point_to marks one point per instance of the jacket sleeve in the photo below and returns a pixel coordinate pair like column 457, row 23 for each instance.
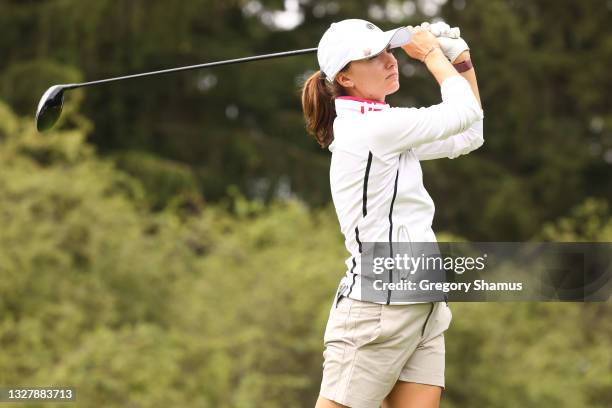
column 395, row 130
column 454, row 146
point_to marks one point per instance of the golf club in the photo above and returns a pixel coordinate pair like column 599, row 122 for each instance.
column 52, row 101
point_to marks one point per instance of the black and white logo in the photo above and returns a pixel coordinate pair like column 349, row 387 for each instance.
column 370, row 26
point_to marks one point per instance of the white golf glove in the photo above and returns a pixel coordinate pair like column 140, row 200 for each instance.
column 451, row 43
column 441, row 29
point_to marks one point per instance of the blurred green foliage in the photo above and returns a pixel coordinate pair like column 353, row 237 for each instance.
column 197, row 305
column 542, row 68
column 151, row 245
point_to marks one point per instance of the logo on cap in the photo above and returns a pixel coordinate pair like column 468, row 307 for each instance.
column 370, row 26
column 366, row 52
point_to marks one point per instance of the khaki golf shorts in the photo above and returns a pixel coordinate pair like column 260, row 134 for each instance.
column 368, row 347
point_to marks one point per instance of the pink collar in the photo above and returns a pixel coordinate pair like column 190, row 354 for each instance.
column 346, row 104
column 354, row 98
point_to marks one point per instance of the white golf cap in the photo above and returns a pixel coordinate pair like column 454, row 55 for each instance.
column 352, row 40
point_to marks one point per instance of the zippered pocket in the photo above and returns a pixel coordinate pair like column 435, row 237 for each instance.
column 403, row 234
column 405, row 246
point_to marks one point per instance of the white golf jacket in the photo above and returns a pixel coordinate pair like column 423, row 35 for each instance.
column 375, row 174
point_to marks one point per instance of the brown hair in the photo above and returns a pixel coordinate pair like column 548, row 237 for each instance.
column 318, row 105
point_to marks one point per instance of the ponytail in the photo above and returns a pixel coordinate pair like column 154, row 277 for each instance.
column 319, row 107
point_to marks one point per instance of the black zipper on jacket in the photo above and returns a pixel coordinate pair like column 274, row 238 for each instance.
column 364, row 211
column 353, row 283
column 391, row 233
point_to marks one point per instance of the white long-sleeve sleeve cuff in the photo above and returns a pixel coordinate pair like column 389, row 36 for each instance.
column 457, row 88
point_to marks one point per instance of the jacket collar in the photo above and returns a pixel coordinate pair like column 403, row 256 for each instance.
column 351, row 104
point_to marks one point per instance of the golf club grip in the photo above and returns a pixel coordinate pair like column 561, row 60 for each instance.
column 199, row 66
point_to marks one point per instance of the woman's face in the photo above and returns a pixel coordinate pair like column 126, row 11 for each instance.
column 372, row 78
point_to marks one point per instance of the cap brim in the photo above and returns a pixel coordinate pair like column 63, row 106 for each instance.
column 392, row 39
column 399, row 36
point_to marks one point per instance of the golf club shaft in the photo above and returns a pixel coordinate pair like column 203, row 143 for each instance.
column 191, row 67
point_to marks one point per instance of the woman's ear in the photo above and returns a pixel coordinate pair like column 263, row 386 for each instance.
column 344, row 80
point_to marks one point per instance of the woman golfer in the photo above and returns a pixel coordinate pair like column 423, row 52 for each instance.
column 386, row 352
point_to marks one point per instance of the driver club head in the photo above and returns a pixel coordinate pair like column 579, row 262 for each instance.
column 50, row 107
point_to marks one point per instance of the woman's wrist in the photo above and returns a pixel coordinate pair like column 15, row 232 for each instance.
column 432, row 54
column 439, row 66
column 464, row 56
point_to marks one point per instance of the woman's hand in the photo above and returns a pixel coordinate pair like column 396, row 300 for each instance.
column 451, row 43
column 441, row 29
column 421, row 43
